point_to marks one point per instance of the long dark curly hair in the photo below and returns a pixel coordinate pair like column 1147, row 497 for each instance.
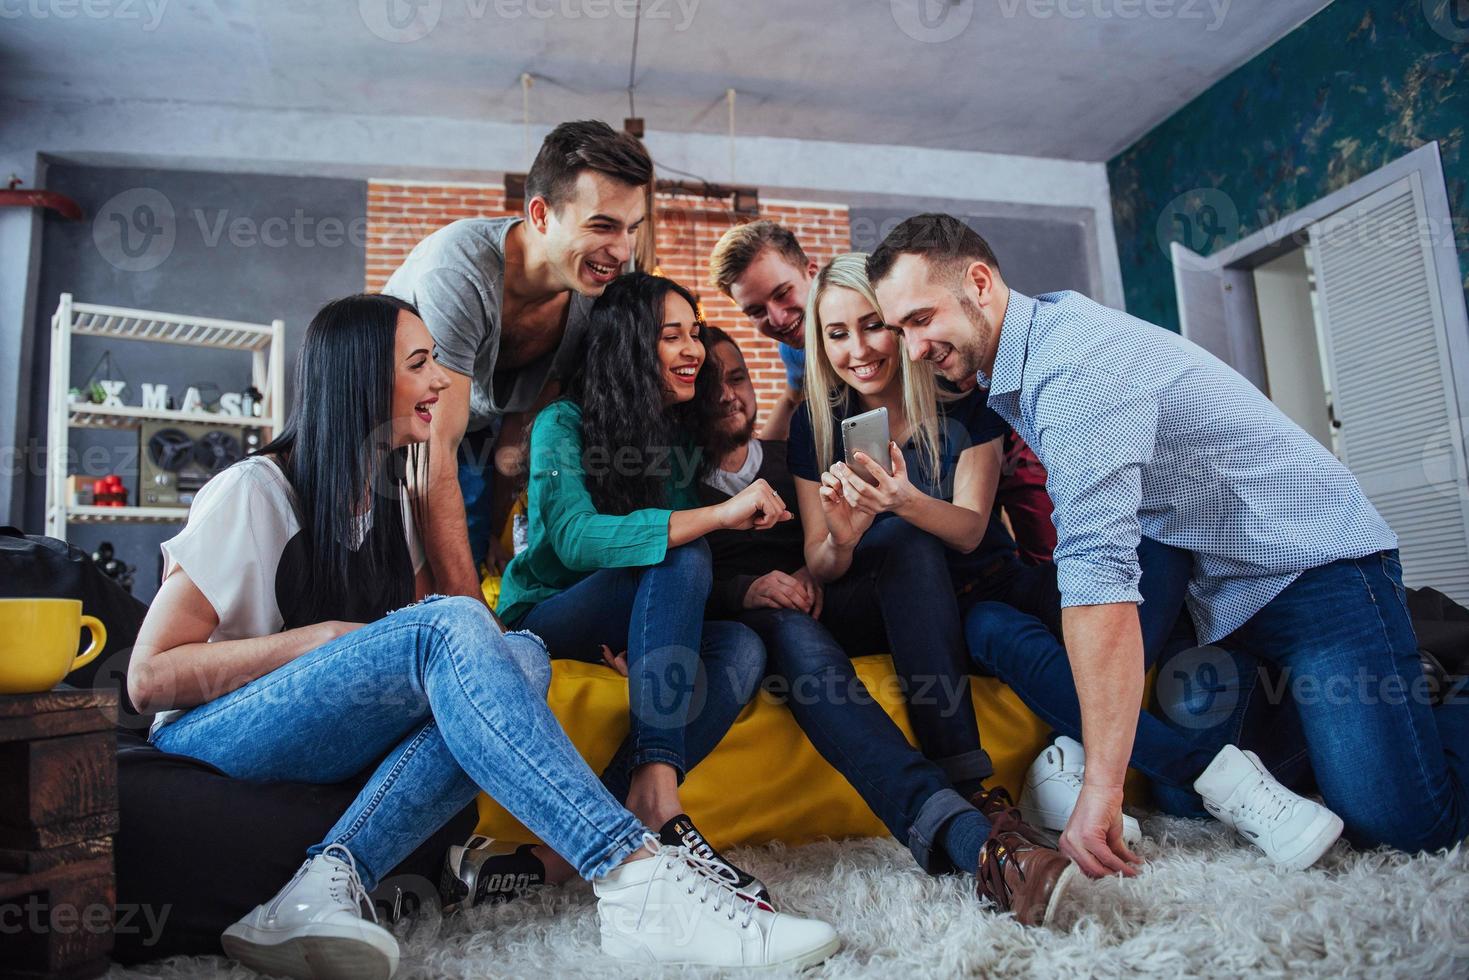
column 631, row 442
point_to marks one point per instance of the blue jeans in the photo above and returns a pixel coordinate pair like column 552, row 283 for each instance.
column 1032, row 589
column 442, row 704
column 1027, row 655
column 687, row 680
column 476, row 483
column 1394, row 767
column 909, row 794
column 907, row 570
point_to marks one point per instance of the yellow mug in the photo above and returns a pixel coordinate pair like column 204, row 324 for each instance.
column 38, row 642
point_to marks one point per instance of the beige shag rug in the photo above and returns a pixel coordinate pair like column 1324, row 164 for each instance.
column 1204, row 907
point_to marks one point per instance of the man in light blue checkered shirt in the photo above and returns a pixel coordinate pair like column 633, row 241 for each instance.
column 1151, row 441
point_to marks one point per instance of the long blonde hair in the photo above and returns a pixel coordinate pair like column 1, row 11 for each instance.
column 824, row 389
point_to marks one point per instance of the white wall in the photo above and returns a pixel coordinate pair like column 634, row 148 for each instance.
column 175, row 135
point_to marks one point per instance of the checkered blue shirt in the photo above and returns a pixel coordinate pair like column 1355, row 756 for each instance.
column 1145, row 433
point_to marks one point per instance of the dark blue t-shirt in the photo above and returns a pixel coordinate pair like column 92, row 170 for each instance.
column 963, row 424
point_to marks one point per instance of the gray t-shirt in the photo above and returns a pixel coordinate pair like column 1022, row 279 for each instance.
column 456, row 278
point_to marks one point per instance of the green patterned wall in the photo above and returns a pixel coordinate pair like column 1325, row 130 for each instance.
column 1351, row 89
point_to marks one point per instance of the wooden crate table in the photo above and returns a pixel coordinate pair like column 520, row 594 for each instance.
column 58, row 812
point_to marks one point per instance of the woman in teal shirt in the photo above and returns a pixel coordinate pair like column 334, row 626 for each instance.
column 616, row 556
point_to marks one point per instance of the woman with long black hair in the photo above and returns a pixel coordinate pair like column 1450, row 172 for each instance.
column 284, row 644
column 616, row 556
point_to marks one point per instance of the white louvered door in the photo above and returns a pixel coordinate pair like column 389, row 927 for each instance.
column 1387, row 354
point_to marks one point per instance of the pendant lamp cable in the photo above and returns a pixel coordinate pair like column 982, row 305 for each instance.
column 525, row 84
column 632, row 68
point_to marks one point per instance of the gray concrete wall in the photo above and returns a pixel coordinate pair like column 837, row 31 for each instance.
column 236, row 246
column 1040, row 249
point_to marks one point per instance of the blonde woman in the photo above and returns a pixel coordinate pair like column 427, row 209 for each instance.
column 926, row 520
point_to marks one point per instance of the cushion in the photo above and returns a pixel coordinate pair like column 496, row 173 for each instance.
column 765, row 781
column 206, row 848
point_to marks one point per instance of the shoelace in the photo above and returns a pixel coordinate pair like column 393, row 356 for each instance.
column 710, row 879
column 346, row 879
column 696, row 842
column 994, row 857
column 1267, row 799
column 1071, row 778
column 994, row 798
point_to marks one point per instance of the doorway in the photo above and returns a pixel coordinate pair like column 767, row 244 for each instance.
column 1350, row 316
column 1295, row 371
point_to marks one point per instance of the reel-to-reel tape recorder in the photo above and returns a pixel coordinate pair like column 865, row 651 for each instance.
column 177, row 458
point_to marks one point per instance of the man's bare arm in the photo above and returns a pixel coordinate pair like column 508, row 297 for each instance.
column 777, row 424
column 446, row 538
column 1105, row 646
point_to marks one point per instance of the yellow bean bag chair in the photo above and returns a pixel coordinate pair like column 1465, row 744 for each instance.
column 787, row 792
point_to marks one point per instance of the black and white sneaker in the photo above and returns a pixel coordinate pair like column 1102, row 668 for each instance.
column 479, row 872
column 681, row 832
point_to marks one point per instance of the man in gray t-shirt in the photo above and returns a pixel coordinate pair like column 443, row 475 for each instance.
column 507, row 302
column 456, row 278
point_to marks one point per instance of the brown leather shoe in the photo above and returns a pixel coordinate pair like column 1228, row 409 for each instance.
column 1018, row 874
column 996, row 801
column 992, row 802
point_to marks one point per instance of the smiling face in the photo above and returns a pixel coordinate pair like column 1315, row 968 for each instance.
column 417, row 381
column 737, row 404
column 947, row 326
column 859, row 346
column 772, row 293
column 680, row 349
column 591, row 236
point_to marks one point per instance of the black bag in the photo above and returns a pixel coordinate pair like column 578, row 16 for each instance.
column 32, row 566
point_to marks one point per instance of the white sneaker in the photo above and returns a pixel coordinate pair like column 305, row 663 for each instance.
column 677, row 907
column 313, row 929
column 1052, row 786
column 1240, row 792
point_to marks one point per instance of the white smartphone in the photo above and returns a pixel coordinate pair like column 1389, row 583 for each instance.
column 867, row 433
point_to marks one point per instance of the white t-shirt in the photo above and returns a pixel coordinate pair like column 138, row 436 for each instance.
column 239, row 526
column 732, row 482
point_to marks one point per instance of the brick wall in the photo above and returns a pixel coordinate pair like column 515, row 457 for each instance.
column 400, row 214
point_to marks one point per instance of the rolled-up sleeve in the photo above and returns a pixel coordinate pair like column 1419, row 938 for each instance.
column 1094, row 434
column 584, row 539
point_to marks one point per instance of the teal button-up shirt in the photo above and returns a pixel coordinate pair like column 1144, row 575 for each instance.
column 568, row 538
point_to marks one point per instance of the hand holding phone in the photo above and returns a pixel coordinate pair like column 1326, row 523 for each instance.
column 866, row 433
column 844, row 520
column 875, row 484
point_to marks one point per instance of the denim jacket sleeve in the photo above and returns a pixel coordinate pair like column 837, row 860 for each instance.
column 584, row 539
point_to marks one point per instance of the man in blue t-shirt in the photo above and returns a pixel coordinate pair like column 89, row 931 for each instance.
column 763, row 268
